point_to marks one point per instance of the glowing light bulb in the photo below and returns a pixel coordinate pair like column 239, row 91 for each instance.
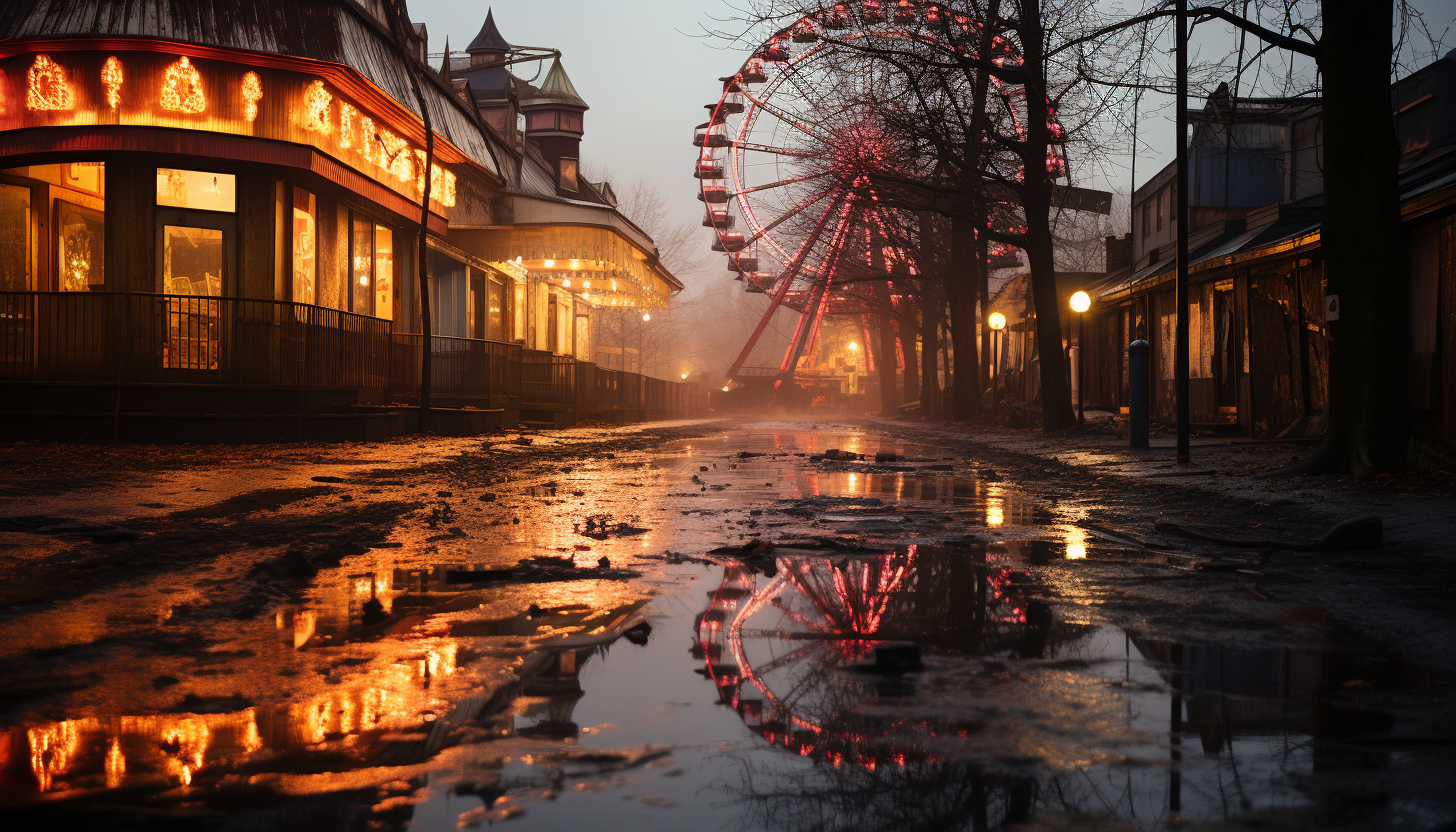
column 550, row 264
column 566, row 284
column 996, row 321
column 111, row 78
column 685, row 376
column 725, row 388
column 182, row 88
column 252, row 94
column 1081, row 302
column 646, row 317
column 853, row 346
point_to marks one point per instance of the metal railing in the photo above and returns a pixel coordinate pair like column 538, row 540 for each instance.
column 464, row 372
column 134, row 338
column 548, row 382
column 158, row 339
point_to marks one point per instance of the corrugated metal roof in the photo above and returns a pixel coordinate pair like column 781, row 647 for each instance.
column 337, row 31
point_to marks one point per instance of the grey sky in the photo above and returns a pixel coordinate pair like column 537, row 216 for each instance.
column 647, row 78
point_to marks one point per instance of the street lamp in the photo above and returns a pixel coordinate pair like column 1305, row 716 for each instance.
column 1081, row 302
column 997, row 322
column 853, row 346
column 646, row 317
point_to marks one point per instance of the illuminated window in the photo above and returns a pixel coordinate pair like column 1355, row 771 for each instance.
column 15, row 230
column 568, row 175
column 383, row 272
column 182, row 88
column 252, row 94
column 197, row 189
column 79, row 236
column 361, row 262
column 317, row 103
column 192, row 268
column 305, row 228
column 46, row 86
column 111, row 79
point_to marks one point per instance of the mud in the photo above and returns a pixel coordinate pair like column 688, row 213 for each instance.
column 699, row 625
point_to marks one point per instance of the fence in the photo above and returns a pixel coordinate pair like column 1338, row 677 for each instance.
column 131, row 338
column 158, row 339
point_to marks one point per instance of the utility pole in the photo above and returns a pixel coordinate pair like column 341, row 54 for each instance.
column 1180, row 293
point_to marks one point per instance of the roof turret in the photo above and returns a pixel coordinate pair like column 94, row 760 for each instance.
column 556, row 89
column 489, row 39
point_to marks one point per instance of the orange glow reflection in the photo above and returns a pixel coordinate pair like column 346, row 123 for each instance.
column 115, row 764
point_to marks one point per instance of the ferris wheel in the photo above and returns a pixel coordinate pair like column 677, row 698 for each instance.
column 781, row 650
column 792, row 160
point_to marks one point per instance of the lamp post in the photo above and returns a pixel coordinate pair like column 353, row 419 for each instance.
column 997, row 322
column 1081, row 302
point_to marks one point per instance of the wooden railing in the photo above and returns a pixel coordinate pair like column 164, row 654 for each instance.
column 131, row 338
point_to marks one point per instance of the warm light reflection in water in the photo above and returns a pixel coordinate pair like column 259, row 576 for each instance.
column 1076, row 544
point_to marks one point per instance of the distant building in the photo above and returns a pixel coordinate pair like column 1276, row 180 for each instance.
column 1258, row 341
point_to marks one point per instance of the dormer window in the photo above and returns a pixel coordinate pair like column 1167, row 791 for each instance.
column 568, row 175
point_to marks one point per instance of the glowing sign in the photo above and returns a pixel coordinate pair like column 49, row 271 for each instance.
column 111, row 79
column 317, row 114
column 46, row 86
column 182, row 88
column 346, row 125
column 252, row 94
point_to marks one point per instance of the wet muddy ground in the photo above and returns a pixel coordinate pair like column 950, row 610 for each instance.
column 698, row 626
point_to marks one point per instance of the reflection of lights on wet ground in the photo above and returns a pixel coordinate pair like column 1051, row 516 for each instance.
column 1076, row 544
column 853, row 485
column 995, row 512
column 115, row 764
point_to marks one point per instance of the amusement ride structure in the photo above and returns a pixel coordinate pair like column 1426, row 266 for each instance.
column 795, row 162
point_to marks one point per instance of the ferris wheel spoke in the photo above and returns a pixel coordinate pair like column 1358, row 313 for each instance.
column 781, row 151
column 795, row 211
column 784, row 117
column 781, row 183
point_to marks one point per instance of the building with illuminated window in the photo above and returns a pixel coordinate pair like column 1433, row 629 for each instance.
column 210, row 218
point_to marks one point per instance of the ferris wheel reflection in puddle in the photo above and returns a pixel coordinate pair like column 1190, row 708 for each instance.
column 788, row 652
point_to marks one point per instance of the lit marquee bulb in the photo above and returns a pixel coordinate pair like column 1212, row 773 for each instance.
column 182, row 88
column 46, row 86
column 317, row 109
column 111, row 78
column 252, row 94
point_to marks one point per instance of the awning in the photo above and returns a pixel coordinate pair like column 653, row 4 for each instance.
column 597, row 264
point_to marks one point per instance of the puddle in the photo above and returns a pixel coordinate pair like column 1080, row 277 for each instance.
column 426, row 687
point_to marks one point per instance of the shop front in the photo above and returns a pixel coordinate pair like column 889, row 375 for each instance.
column 175, row 214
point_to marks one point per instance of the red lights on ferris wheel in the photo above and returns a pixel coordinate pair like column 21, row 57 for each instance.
column 871, row 12
column 803, row 32
column 837, row 17
column 905, row 12
column 776, row 50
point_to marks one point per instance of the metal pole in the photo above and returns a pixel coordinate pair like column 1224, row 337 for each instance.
column 1180, row 361
column 1138, row 388
column 1081, row 364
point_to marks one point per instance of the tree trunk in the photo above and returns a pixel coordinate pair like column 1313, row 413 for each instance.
column 930, row 403
column 1363, row 245
column 1036, row 200
column 889, row 399
column 907, row 335
column 960, row 290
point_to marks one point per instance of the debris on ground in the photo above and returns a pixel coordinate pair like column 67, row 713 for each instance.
column 603, row 526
